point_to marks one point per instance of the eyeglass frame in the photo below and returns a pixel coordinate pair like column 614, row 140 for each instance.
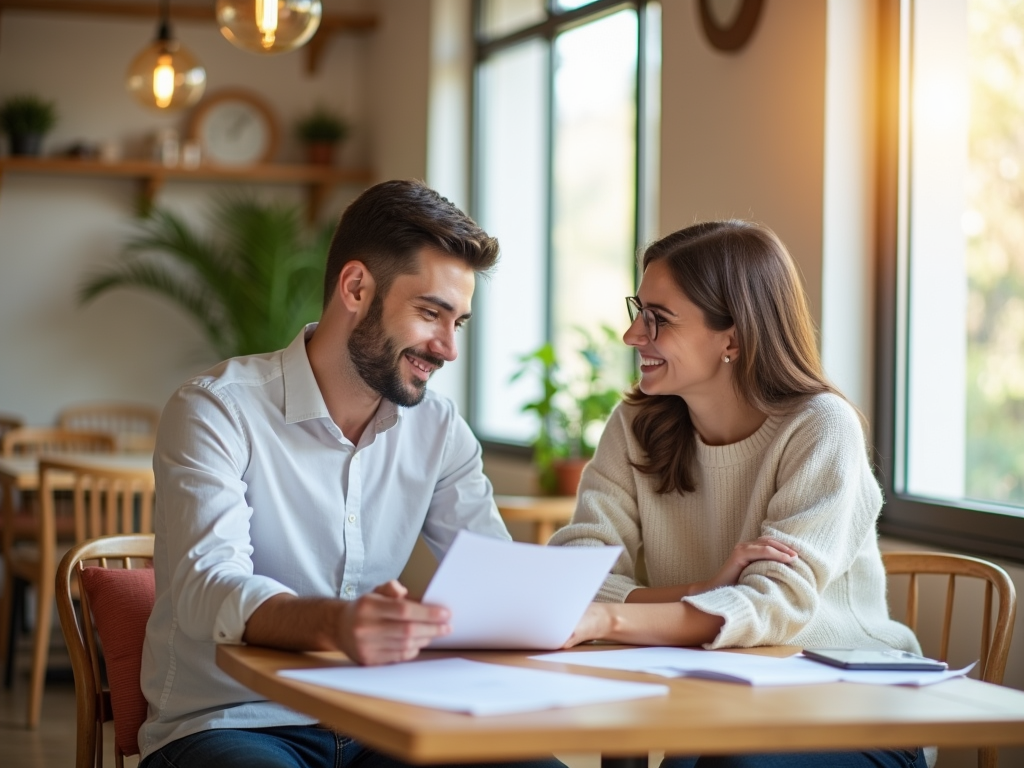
column 650, row 320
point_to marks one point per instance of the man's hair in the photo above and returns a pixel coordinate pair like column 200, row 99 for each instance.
column 387, row 226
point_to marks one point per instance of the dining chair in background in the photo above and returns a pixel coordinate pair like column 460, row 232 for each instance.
column 104, row 502
column 133, row 425
column 9, row 421
column 995, row 643
column 115, row 605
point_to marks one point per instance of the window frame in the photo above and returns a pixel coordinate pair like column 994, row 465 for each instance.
column 554, row 24
column 969, row 526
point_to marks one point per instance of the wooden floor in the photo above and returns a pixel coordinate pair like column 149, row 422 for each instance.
column 52, row 745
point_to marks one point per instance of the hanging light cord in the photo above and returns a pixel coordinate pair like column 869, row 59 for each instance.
column 164, row 30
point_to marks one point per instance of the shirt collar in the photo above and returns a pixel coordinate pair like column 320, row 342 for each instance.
column 302, row 397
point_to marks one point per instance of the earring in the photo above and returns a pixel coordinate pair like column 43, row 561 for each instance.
column 726, row 359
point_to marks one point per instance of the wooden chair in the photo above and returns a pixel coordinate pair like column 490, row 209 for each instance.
column 104, row 503
column 20, row 524
column 8, row 422
column 995, row 645
column 122, row 701
column 133, row 425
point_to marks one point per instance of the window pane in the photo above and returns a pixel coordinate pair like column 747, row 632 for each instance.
column 502, row 17
column 594, row 182
column 965, row 274
column 568, row 5
column 509, row 316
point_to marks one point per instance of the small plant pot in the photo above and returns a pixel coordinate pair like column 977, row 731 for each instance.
column 26, row 144
column 320, row 153
column 567, row 475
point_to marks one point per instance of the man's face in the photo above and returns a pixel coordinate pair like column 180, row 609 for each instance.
column 409, row 333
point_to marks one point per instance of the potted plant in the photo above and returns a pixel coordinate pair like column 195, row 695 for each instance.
column 320, row 131
column 251, row 286
column 571, row 411
column 25, row 120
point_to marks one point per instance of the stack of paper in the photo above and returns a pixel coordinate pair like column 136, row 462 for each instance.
column 741, row 667
column 460, row 685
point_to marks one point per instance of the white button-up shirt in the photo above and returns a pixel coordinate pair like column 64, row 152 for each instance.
column 259, row 493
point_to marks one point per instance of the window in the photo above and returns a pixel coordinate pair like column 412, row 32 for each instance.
column 565, row 127
column 952, row 275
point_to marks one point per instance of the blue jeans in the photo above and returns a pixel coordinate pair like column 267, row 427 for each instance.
column 889, row 758
column 293, row 746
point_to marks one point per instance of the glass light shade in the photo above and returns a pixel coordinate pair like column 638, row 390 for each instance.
column 268, row 26
column 166, row 76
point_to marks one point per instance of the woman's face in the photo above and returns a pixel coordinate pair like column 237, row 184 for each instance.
column 686, row 358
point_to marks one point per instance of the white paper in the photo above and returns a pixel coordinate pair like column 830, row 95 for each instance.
column 475, row 688
column 745, row 668
column 505, row 594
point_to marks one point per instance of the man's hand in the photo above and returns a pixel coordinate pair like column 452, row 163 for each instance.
column 384, row 626
column 745, row 553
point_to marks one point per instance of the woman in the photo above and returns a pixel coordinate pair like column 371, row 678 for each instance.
column 735, row 476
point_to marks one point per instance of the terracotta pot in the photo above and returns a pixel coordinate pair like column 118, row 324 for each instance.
column 320, row 153
column 567, row 475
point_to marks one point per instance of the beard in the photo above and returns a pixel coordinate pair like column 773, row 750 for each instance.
column 378, row 361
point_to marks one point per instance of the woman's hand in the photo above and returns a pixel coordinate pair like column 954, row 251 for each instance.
column 595, row 625
column 745, row 553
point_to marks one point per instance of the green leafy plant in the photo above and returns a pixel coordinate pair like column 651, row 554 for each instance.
column 251, row 285
column 25, row 115
column 570, row 411
column 322, row 125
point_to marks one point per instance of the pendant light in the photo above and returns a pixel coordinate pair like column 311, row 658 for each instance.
column 165, row 75
column 268, row 26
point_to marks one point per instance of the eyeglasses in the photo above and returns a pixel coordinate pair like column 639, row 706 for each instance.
column 634, row 307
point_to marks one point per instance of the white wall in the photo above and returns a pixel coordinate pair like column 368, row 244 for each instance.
column 743, row 134
column 54, row 229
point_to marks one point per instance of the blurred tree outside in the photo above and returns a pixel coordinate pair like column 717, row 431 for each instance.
column 994, row 225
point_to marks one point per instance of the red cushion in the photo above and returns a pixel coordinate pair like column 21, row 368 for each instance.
column 121, row 601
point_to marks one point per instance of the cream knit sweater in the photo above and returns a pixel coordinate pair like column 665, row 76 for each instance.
column 803, row 479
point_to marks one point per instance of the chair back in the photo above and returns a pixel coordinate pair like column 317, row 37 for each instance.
column 133, row 425
column 995, row 643
column 115, row 604
column 8, row 422
column 32, row 441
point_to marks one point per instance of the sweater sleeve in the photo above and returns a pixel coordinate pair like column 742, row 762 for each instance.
column 606, row 509
column 825, row 505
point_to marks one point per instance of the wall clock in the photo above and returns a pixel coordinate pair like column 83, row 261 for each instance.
column 234, row 127
column 729, row 24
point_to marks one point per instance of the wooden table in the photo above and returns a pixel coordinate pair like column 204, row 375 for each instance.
column 21, row 473
column 698, row 716
column 546, row 513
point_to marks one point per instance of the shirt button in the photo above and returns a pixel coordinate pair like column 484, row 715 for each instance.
column 351, row 518
column 349, row 590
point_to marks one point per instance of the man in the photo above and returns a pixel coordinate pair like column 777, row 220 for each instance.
column 291, row 488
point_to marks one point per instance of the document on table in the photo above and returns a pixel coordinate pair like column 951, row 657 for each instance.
column 505, row 594
column 473, row 687
column 745, row 668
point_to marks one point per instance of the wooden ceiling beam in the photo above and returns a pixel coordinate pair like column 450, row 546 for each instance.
column 330, row 25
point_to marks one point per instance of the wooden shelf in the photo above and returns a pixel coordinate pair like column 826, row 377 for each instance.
column 319, row 180
column 330, row 24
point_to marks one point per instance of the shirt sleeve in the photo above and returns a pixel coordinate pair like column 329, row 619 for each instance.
column 202, row 517
column 825, row 507
column 463, row 498
column 606, row 512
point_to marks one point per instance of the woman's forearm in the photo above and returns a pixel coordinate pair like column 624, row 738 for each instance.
column 665, row 594
column 647, row 624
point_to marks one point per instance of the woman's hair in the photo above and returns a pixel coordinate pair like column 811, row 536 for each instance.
column 739, row 274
